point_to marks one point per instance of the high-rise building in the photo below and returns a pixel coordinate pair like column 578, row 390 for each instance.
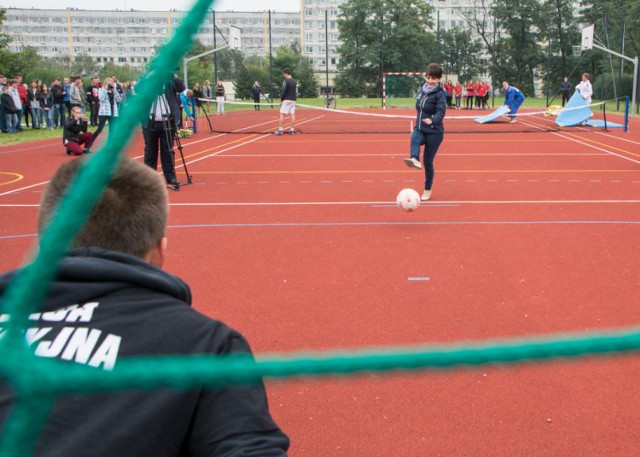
column 131, row 37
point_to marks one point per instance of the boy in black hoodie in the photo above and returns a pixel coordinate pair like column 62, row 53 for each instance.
column 110, row 301
column 9, row 109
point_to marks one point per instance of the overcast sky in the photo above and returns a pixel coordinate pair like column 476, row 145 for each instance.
column 155, row 5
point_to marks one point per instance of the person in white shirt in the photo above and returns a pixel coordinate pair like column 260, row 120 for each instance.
column 585, row 88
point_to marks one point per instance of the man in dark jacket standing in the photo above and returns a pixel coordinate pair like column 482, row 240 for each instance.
column 288, row 101
column 110, row 301
column 93, row 101
column 160, row 129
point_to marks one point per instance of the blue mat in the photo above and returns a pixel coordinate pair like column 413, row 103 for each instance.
column 579, row 114
column 600, row 124
column 493, row 116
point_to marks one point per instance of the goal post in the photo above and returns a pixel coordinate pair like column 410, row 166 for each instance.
column 394, row 73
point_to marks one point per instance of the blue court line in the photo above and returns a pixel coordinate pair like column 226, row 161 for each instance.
column 360, row 224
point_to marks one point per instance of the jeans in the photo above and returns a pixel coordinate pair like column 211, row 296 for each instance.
column 36, row 118
column 3, row 123
column 75, row 147
column 58, row 114
column 432, row 143
column 102, row 120
column 47, row 114
column 19, row 121
column 95, row 108
column 11, row 121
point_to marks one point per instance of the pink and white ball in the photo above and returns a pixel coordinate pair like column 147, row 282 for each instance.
column 408, row 200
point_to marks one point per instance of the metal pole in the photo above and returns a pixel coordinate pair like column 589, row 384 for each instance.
column 184, row 71
column 438, row 37
column 493, row 64
column 382, row 47
column 270, row 63
column 622, row 52
column 635, row 86
column 215, row 55
column 326, row 47
column 548, row 78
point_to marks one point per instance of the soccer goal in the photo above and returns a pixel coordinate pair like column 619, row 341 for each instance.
column 385, row 87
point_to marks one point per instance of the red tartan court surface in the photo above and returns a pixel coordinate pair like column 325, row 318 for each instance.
column 296, row 241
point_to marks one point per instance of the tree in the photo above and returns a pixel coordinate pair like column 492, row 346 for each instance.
column 521, row 52
column 290, row 56
column 122, row 72
column 560, row 33
column 460, row 51
column 244, row 80
column 382, row 35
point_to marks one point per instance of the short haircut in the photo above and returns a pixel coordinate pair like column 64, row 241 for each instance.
column 434, row 70
column 130, row 215
column 586, row 75
column 286, row 70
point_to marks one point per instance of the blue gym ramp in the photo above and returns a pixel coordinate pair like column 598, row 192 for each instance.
column 601, row 124
column 575, row 112
column 501, row 111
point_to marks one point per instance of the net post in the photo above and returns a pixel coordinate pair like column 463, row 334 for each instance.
column 604, row 115
column 626, row 113
column 384, row 90
column 195, row 119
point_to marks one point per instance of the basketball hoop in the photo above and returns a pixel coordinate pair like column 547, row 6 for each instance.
column 577, row 51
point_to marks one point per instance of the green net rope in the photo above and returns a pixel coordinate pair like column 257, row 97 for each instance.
column 38, row 381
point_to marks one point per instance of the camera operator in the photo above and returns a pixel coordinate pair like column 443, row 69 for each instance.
column 165, row 117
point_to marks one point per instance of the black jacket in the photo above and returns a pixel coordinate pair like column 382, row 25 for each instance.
column 73, row 128
column 289, row 89
column 8, row 105
column 432, row 106
column 57, row 92
column 147, row 312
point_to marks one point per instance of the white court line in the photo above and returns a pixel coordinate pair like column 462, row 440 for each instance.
column 443, row 202
column 365, row 203
column 618, row 138
column 595, row 147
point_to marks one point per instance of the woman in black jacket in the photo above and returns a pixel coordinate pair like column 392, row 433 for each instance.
column 46, row 104
column 431, row 106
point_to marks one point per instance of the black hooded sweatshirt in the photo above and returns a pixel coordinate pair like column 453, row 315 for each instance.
column 119, row 306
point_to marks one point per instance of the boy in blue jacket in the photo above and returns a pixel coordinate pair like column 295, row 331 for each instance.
column 431, row 106
column 513, row 98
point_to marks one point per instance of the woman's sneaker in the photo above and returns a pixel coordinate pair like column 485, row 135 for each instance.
column 413, row 163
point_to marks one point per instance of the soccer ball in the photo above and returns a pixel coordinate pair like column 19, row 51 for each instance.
column 408, row 200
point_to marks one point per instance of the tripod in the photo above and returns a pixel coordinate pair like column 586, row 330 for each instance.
column 160, row 110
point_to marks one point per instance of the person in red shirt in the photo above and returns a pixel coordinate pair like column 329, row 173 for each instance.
column 486, row 94
column 458, row 93
column 481, row 90
column 449, row 88
column 471, row 92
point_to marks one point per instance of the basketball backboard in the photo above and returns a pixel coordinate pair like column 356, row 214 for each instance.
column 587, row 37
column 235, row 37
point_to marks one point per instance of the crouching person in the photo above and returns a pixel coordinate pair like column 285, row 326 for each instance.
column 75, row 133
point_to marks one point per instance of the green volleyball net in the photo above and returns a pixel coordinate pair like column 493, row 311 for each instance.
column 38, row 381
